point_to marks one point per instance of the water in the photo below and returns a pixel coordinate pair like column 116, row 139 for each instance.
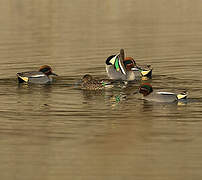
column 61, row 132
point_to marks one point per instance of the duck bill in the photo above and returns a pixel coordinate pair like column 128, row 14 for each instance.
column 118, row 63
column 54, row 74
column 121, row 59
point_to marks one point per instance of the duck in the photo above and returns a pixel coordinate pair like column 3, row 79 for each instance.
column 160, row 96
column 90, row 83
column 43, row 76
column 125, row 68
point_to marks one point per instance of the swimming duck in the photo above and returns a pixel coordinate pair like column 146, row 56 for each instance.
column 125, row 68
column 90, row 83
column 37, row 77
column 158, row 96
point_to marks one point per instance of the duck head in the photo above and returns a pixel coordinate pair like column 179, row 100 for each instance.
column 87, row 78
column 129, row 63
column 47, row 70
column 145, row 89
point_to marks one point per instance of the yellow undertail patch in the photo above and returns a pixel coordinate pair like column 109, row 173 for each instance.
column 24, row 78
column 145, row 72
column 182, row 96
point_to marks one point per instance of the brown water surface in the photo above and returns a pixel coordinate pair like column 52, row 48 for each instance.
column 61, row 132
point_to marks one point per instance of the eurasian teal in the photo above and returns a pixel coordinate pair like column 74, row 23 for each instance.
column 158, row 96
column 119, row 67
column 37, row 77
column 90, row 83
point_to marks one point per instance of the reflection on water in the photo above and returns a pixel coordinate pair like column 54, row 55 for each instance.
column 59, row 131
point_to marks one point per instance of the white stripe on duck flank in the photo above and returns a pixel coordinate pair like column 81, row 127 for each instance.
column 38, row 75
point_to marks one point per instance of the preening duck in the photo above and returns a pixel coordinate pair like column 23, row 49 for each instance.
column 125, row 68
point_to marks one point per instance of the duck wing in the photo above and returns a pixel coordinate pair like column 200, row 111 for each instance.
column 33, row 77
column 31, row 74
column 164, row 97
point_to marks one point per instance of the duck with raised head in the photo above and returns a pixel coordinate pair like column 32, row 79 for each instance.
column 90, row 83
column 43, row 76
column 160, row 96
column 125, row 68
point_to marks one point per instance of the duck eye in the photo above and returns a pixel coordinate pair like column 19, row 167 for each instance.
column 128, row 62
column 45, row 70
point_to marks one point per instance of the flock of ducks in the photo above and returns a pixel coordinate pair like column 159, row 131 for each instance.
column 118, row 67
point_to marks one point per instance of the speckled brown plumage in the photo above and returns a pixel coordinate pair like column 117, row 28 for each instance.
column 89, row 83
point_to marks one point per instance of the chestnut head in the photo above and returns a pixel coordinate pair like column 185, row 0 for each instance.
column 47, row 70
column 145, row 89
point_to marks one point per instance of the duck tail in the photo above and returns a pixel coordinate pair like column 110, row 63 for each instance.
column 147, row 73
column 21, row 79
column 182, row 95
